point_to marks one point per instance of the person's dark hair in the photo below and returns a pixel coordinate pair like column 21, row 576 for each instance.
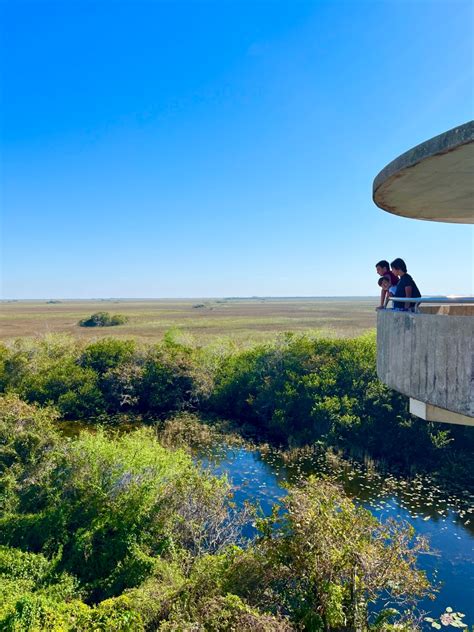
column 383, row 278
column 399, row 264
column 383, row 264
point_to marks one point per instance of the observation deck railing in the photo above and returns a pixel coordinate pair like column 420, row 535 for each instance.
column 434, row 300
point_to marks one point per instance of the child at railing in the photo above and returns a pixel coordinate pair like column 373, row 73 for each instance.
column 385, row 282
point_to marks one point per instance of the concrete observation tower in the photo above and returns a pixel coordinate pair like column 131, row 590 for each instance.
column 428, row 354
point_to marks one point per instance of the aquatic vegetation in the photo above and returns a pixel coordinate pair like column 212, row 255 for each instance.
column 449, row 618
column 142, row 536
column 117, row 532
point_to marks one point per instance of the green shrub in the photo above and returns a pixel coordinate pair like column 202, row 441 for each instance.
column 117, row 615
column 17, row 564
column 121, row 518
column 103, row 319
column 167, row 383
column 121, row 387
column 33, row 592
column 293, row 391
column 72, row 388
column 224, row 613
column 4, row 357
column 302, row 390
column 35, row 596
column 107, row 506
column 343, row 557
column 106, row 354
column 118, row 368
column 38, row 613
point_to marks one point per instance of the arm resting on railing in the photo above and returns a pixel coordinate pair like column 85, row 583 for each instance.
column 436, row 300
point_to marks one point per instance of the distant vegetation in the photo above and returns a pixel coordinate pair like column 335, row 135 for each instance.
column 103, row 319
column 245, row 321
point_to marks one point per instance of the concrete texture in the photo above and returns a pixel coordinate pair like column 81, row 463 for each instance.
column 453, row 310
column 429, row 357
column 433, row 181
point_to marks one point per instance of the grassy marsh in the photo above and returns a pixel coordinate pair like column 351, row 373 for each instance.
column 243, row 320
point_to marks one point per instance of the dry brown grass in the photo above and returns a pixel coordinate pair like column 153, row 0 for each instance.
column 244, row 320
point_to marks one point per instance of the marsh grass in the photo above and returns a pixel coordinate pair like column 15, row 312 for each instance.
column 243, row 320
column 191, row 432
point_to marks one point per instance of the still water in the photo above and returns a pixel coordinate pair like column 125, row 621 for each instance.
column 446, row 519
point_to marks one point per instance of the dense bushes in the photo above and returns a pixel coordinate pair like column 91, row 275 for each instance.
column 103, row 319
column 35, row 596
column 106, row 505
column 302, row 389
column 115, row 532
column 294, row 391
column 319, row 389
column 105, row 376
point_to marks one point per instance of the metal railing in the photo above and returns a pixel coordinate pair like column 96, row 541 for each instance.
column 435, row 300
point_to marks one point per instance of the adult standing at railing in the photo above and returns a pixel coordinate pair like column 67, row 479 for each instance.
column 406, row 287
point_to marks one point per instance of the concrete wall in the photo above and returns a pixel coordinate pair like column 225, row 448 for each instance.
column 429, row 357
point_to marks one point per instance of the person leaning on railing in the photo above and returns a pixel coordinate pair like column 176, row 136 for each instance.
column 385, row 283
column 406, row 287
column 383, row 270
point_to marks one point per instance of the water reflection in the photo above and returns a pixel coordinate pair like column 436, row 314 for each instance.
column 447, row 519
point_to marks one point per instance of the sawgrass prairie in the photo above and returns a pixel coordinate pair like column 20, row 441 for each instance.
column 243, row 320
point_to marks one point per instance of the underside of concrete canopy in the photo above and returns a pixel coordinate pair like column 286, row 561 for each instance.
column 433, row 181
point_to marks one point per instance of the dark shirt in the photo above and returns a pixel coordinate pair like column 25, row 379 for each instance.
column 404, row 282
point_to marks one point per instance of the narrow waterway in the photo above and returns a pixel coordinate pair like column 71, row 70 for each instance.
column 446, row 519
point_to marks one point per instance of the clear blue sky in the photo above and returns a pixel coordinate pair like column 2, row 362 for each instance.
column 165, row 149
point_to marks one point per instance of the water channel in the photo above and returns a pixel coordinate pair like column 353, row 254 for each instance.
column 446, row 519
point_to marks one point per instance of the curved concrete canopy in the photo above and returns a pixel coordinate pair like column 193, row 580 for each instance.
column 433, row 181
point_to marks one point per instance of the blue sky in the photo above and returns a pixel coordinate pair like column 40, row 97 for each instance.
column 188, row 149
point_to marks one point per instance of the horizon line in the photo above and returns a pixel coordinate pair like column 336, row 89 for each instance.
column 186, row 298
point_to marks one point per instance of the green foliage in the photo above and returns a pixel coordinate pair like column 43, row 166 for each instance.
column 103, row 319
column 36, row 596
column 121, row 387
column 224, row 613
column 318, row 563
column 344, row 557
column 108, row 506
column 167, row 383
column 303, row 390
column 292, row 392
column 117, row 364
column 106, row 354
column 32, row 591
column 116, row 532
column 35, row 611
column 121, row 532
column 72, row 388
column 4, row 358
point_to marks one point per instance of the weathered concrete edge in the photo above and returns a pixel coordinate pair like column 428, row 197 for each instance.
column 429, row 412
column 428, row 357
column 442, row 144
